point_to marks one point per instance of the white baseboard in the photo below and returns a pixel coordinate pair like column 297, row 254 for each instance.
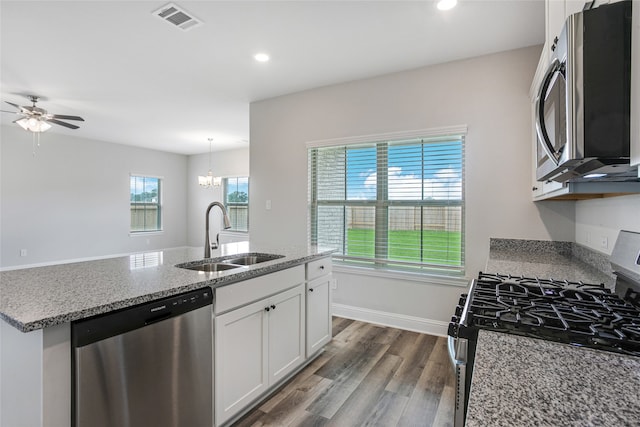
column 394, row 320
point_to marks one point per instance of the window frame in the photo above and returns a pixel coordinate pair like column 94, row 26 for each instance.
column 228, row 205
column 380, row 260
column 159, row 206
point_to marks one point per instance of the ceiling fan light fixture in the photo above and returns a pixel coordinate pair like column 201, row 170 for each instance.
column 33, row 125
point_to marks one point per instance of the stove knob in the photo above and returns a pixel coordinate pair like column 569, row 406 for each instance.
column 454, row 319
column 452, row 330
column 459, row 310
column 463, row 299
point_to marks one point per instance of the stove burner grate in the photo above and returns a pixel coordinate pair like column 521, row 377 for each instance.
column 571, row 312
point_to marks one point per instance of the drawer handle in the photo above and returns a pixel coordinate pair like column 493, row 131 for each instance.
column 267, row 309
column 322, row 267
column 273, row 307
column 310, row 289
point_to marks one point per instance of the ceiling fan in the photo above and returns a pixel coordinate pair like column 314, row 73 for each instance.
column 36, row 119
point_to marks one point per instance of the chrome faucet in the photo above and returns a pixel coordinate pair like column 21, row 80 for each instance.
column 225, row 219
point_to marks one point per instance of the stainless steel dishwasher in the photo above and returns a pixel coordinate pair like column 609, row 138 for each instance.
column 148, row 365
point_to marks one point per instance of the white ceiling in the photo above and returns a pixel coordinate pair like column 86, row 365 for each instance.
column 140, row 81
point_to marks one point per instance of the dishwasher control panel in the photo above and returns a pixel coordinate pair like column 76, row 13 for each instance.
column 102, row 326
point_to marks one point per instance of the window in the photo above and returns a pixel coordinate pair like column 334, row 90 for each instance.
column 396, row 204
column 146, row 207
column 236, row 200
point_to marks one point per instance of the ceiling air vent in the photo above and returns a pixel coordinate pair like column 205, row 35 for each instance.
column 177, row 16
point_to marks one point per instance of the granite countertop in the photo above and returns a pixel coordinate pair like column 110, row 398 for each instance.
column 35, row 298
column 549, row 260
column 526, row 381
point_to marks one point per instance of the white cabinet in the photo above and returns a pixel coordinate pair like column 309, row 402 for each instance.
column 256, row 346
column 286, row 335
column 554, row 19
column 240, row 359
column 556, row 13
column 319, row 280
column 266, row 328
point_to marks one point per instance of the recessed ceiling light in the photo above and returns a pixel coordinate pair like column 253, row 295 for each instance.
column 446, row 4
column 261, row 57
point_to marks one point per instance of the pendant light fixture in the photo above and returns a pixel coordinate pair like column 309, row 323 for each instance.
column 209, row 180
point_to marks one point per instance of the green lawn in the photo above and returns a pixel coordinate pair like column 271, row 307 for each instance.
column 439, row 247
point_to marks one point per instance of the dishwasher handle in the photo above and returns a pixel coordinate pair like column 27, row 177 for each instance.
column 156, row 319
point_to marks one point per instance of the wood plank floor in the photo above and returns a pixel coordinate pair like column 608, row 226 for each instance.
column 369, row 375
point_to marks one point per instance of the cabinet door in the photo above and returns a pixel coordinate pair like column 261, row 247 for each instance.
column 241, row 372
column 555, row 17
column 286, row 332
column 318, row 314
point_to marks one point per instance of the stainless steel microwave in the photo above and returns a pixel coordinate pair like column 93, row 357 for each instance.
column 583, row 102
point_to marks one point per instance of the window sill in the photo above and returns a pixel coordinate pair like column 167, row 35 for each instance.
column 426, row 278
column 145, row 233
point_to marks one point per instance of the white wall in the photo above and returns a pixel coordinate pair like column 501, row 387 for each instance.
column 228, row 163
column 598, row 221
column 489, row 94
column 71, row 200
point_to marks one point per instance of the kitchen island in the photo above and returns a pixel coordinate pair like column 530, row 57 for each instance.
column 518, row 380
column 38, row 304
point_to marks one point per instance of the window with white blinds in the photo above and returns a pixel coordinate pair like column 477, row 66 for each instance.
column 397, row 204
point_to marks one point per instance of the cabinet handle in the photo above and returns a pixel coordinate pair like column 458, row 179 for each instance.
column 534, row 188
column 310, row 289
column 273, row 307
column 322, row 267
column 267, row 309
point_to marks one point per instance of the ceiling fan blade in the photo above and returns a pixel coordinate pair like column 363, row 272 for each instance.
column 10, row 112
column 63, row 117
column 58, row 122
column 14, row 105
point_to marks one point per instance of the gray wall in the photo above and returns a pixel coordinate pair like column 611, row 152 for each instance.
column 489, row 94
column 598, row 221
column 71, row 200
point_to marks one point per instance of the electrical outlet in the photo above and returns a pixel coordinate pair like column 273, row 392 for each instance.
column 334, row 284
column 604, row 242
column 23, row 252
column 267, row 205
column 588, row 238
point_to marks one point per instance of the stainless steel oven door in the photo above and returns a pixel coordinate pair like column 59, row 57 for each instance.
column 458, row 355
column 551, row 119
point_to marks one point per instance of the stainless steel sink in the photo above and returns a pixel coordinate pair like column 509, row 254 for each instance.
column 250, row 259
column 228, row 263
column 209, row 266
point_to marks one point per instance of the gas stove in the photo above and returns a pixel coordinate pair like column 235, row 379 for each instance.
column 575, row 313
column 564, row 311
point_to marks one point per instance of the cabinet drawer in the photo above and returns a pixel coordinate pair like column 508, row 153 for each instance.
column 242, row 293
column 318, row 268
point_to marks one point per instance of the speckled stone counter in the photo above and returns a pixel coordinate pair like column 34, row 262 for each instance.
column 35, row 298
column 548, row 260
column 521, row 381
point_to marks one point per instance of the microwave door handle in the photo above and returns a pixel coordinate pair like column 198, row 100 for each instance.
column 541, row 128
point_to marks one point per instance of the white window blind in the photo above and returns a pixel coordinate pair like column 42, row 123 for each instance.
column 394, row 204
